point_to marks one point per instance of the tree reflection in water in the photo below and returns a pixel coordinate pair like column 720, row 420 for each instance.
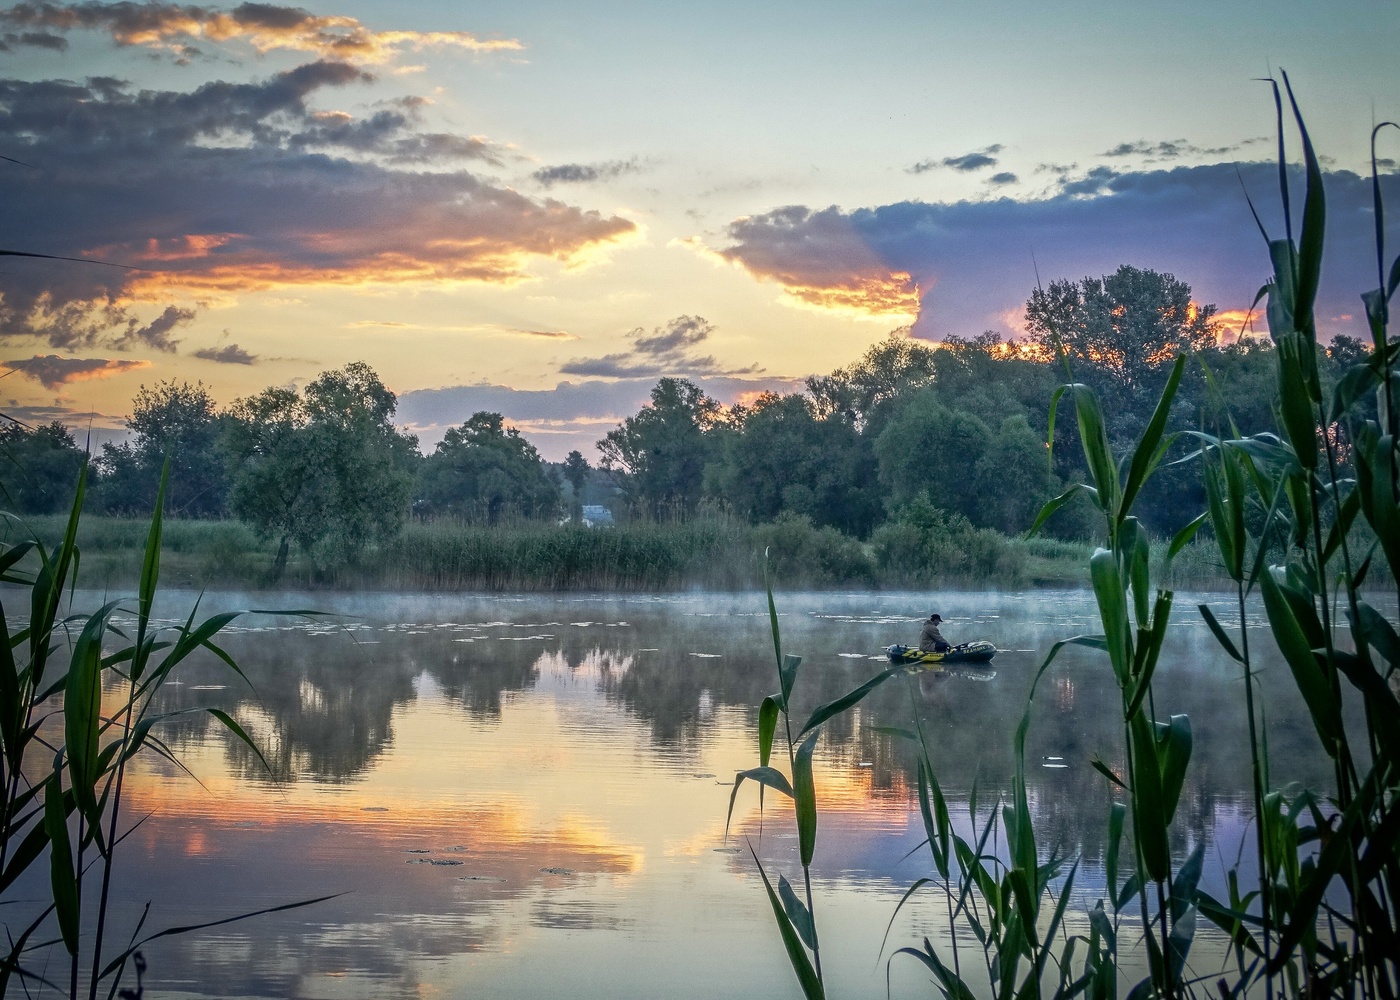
column 526, row 699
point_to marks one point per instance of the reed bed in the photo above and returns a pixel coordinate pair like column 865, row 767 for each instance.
column 446, row 555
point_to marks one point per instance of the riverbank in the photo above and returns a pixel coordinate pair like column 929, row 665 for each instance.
column 712, row 554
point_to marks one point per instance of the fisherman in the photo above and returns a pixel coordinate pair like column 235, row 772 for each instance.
column 931, row 640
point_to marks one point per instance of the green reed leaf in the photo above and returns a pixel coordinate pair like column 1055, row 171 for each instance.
column 150, row 562
column 797, row 913
column 1176, row 743
column 767, row 725
column 787, row 676
column 1149, row 803
column 63, row 880
column 1188, row 876
column 1113, row 610
column 846, row 701
column 1298, row 653
column 948, row 981
column 1216, row 630
column 1310, row 239
column 1149, row 452
column 1183, row 537
column 1374, row 628
column 1051, row 506
column 1098, row 765
column 805, row 798
column 1117, row 813
column 802, row 965
column 1098, row 452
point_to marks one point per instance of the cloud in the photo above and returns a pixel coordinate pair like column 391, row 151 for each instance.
column 823, row 259
column 489, row 329
column 1005, row 177
column 572, row 414
column 54, row 372
column 1173, row 149
column 585, row 173
column 175, row 28
column 965, row 163
column 1096, row 181
column 229, row 354
column 664, row 351
column 962, row 267
column 33, row 39
column 241, row 186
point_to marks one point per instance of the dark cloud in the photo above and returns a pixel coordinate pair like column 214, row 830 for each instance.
column 54, row 372
column 239, row 186
column 1172, row 149
column 173, row 28
column 1005, row 177
column 1094, row 182
column 966, row 266
column 229, row 354
column 33, row 39
column 584, row 173
column 965, row 163
column 664, row 351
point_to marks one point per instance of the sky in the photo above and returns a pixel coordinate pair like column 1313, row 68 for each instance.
column 541, row 208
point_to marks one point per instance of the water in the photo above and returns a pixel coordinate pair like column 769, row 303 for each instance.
column 522, row 797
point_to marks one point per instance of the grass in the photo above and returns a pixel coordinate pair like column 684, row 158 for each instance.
column 443, row 555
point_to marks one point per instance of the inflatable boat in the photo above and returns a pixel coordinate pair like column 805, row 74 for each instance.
column 979, row 651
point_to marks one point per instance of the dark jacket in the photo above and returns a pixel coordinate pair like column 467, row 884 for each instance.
column 932, row 640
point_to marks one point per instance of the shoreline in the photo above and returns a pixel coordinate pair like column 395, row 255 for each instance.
column 712, row 555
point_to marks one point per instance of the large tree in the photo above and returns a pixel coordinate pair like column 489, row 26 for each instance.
column 658, row 456
column 38, row 467
column 325, row 467
column 1126, row 326
column 484, row 470
column 782, row 459
column 178, row 421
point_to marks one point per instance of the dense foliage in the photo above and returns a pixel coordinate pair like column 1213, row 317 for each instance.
column 910, row 436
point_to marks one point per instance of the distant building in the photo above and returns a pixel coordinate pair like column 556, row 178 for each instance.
column 595, row 515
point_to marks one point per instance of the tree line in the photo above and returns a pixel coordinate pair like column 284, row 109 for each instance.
column 908, row 447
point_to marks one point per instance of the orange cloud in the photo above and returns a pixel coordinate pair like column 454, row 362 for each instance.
column 892, row 296
column 264, row 27
column 823, row 262
column 54, row 372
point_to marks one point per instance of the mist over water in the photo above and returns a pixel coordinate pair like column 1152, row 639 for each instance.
column 522, row 796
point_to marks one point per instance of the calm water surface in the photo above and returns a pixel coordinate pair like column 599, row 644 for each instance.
column 525, row 797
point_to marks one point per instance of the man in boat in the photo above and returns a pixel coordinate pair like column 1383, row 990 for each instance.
column 931, row 640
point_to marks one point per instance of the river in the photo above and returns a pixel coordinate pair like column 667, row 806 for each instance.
column 526, row 796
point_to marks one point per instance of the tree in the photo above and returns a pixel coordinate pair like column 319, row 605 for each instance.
column 1126, row 326
column 178, row 420
column 1012, row 478
column 483, row 469
column 325, row 467
column 895, row 367
column 930, row 450
column 576, row 471
column 782, row 459
column 658, row 456
column 38, row 467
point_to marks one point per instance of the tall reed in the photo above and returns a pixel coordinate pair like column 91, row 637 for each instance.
column 74, row 807
column 1330, row 476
